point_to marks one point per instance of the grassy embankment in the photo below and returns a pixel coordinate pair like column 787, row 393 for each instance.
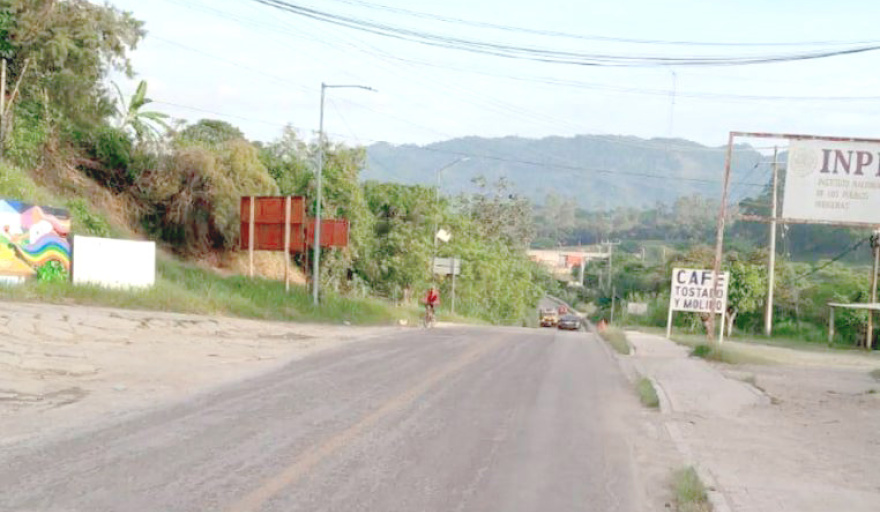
column 186, row 288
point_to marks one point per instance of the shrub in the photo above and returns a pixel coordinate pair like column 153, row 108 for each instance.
column 193, row 196
column 52, row 272
column 85, row 221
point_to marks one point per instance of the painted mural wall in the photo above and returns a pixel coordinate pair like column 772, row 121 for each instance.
column 30, row 237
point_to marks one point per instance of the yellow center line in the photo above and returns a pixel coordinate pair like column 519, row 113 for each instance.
column 254, row 500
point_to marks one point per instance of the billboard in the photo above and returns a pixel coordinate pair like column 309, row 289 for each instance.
column 30, row 237
column 694, row 290
column 269, row 218
column 832, row 181
column 114, row 263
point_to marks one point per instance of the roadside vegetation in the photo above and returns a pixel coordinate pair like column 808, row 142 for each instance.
column 689, row 491
column 875, row 373
column 74, row 139
column 185, row 288
column 617, row 339
column 647, row 393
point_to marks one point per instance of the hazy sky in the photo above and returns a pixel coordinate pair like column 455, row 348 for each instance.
column 260, row 68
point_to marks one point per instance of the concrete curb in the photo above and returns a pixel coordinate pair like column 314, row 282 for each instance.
column 713, row 490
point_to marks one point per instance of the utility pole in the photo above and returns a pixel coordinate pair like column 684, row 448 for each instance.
column 875, row 245
column 438, row 172
column 613, row 293
column 719, row 236
column 610, row 245
column 316, row 281
column 771, row 261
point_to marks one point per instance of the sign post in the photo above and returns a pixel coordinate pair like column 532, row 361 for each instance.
column 698, row 291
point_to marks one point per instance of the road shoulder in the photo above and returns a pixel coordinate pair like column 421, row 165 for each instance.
column 783, row 437
column 66, row 368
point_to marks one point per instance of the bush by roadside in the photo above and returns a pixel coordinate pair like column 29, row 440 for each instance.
column 616, row 338
column 647, row 393
column 690, row 493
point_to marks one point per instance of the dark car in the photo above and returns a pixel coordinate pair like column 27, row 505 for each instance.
column 569, row 322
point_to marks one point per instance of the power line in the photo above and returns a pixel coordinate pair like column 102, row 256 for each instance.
column 554, row 33
column 551, row 55
column 836, row 258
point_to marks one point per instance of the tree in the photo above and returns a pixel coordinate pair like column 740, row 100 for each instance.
column 130, row 115
column 68, row 48
column 499, row 214
column 208, row 132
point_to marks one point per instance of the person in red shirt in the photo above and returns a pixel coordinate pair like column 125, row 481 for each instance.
column 432, row 298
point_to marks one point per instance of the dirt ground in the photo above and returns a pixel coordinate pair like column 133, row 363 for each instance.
column 112, row 363
column 799, row 434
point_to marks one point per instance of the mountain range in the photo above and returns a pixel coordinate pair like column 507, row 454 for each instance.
column 598, row 171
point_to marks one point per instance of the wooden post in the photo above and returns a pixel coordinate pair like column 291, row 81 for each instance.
column 287, row 243
column 771, row 262
column 251, row 229
column 831, row 327
column 875, row 245
column 453, row 285
column 719, row 235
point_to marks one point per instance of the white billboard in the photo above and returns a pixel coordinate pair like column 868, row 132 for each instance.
column 694, row 290
column 113, row 263
column 833, row 182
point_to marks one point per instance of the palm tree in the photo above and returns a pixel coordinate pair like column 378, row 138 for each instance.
column 142, row 123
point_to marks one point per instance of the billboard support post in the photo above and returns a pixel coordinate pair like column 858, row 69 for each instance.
column 771, row 260
column 287, row 244
column 719, row 236
column 251, row 229
column 875, row 247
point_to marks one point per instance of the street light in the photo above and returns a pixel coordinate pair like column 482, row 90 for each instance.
column 437, row 202
column 316, row 276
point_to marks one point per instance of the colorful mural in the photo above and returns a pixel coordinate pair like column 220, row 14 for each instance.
column 31, row 236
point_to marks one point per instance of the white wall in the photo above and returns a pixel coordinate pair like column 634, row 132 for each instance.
column 113, row 263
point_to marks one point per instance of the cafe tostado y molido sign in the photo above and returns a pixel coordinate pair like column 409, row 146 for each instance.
column 832, row 181
column 694, row 290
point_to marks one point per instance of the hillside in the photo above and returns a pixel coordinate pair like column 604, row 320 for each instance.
column 599, row 171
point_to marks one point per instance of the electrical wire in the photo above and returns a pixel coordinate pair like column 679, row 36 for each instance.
column 547, row 55
column 836, row 258
column 554, row 33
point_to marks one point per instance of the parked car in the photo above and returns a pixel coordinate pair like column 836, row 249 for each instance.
column 549, row 318
column 569, row 322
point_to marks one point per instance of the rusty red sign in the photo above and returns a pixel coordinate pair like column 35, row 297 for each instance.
column 269, row 216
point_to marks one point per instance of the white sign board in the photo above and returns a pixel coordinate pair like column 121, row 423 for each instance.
column 832, row 181
column 113, row 263
column 694, row 290
column 637, row 308
column 447, row 266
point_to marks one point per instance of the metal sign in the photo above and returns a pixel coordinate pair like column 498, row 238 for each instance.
column 637, row 308
column 447, row 266
column 694, row 290
column 269, row 222
column 833, row 181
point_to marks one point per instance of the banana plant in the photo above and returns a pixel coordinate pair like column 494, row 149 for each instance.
column 130, row 115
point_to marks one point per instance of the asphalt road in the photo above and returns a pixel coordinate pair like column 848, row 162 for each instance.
column 455, row 419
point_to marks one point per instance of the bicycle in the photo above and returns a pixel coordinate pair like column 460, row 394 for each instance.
column 430, row 319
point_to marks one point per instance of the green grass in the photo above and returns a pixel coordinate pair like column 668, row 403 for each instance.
column 875, row 373
column 723, row 354
column 690, row 493
column 647, row 393
column 17, row 185
column 617, row 339
column 185, row 288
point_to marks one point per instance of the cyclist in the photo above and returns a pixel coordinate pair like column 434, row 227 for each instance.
column 431, row 300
